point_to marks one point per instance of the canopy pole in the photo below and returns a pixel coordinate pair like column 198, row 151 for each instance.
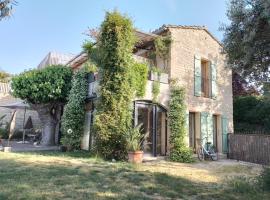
column 24, row 124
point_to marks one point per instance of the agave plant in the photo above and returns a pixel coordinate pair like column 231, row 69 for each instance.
column 134, row 138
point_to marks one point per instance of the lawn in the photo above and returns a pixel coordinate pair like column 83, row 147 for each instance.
column 52, row 175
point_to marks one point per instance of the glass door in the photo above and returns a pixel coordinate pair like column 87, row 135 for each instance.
column 153, row 120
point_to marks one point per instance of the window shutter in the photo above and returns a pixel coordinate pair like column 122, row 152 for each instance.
column 224, row 122
column 204, row 127
column 213, row 80
column 197, row 76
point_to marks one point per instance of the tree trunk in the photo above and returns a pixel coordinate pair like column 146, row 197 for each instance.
column 47, row 115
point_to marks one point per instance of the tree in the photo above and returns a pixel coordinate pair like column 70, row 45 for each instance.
column 114, row 108
column 74, row 111
column 45, row 90
column 4, row 76
column 6, row 8
column 247, row 38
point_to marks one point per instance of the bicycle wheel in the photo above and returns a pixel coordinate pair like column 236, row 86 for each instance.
column 200, row 154
column 213, row 155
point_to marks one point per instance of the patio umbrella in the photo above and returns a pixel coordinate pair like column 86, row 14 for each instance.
column 16, row 106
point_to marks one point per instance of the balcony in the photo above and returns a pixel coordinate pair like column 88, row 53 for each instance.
column 163, row 78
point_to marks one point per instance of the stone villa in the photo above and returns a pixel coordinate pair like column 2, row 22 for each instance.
column 197, row 60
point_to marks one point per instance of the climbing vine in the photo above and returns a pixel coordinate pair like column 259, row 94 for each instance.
column 114, row 111
column 179, row 151
column 74, row 112
column 162, row 48
column 155, row 90
column 139, row 78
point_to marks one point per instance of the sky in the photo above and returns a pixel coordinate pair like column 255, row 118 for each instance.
column 40, row 26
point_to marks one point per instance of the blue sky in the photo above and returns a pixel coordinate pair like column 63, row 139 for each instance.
column 38, row 27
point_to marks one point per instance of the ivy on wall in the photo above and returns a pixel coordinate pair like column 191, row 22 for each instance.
column 139, row 78
column 73, row 116
column 155, row 90
column 179, row 151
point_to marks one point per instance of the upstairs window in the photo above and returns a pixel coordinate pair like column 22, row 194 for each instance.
column 205, row 79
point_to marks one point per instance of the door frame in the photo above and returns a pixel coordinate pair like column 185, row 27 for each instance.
column 154, row 122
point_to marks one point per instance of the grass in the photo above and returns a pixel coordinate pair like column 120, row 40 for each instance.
column 55, row 175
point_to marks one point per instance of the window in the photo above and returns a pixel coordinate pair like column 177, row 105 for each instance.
column 205, row 78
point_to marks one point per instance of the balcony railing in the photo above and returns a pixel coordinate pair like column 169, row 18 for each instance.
column 162, row 77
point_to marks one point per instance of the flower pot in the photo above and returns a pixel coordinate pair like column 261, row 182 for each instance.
column 135, row 157
column 7, row 149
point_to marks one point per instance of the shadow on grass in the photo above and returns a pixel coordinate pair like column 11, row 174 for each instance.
column 100, row 180
column 73, row 154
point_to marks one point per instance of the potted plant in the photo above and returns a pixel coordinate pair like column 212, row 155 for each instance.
column 134, row 139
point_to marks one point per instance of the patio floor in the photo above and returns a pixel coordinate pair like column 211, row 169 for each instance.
column 18, row 146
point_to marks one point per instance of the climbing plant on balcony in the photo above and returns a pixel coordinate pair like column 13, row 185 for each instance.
column 114, row 108
column 73, row 116
column 179, row 151
column 139, row 72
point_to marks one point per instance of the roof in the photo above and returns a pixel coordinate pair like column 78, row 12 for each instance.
column 144, row 39
column 55, row 58
column 77, row 60
column 165, row 27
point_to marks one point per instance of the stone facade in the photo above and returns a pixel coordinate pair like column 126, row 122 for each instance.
column 188, row 43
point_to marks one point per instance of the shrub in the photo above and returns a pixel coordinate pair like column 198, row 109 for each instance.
column 3, row 133
column 73, row 117
column 177, row 122
column 251, row 113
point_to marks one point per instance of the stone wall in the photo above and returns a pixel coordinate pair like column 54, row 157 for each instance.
column 187, row 43
column 19, row 117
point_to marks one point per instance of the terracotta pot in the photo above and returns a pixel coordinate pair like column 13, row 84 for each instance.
column 135, row 157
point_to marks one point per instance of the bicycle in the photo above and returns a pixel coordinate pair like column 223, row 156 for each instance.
column 209, row 151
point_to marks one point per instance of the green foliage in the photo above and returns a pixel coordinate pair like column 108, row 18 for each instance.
column 45, row 85
column 251, row 113
column 139, row 77
column 155, row 90
column 246, row 38
column 3, row 133
column 114, row 107
column 4, row 76
column 162, row 46
column 134, row 138
column 73, row 117
column 179, row 152
column 90, row 67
